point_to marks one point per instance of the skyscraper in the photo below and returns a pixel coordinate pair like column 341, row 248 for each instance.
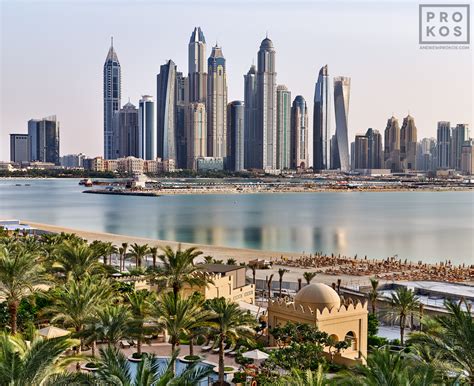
column 408, row 143
column 444, row 143
column 374, row 149
column 182, row 99
column 197, row 66
column 235, row 136
column 147, row 127
column 361, row 152
column 322, row 122
column 166, row 111
column 335, row 161
column 283, row 123
column 266, row 105
column 129, row 136
column 216, row 104
column 342, row 88
column 460, row 134
column 467, row 157
column 44, row 139
column 112, row 97
column 196, row 133
column 392, row 145
column 250, row 119
column 299, row 134
column 19, row 148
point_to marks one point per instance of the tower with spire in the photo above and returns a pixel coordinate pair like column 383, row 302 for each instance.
column 197, row 66
column 112, row 95
column 216, row 104
column 250, row 118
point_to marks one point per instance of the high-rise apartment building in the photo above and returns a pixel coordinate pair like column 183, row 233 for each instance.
column 235, row 136
column 460, row 134
column 196, row 126
column 129, row 135
column 467, row 157
column 182, row 98
column 44, row 139
column 112, row 98
column 147, row 128
column 322, row 122
column 266, row 105
column 374, row 149
column 408, row 143
column 166, row 102
column 392, row 145
column 197, row 66
column 19, row 148
column 426, row 155
column 342, row 88
column 283, row 124
column 72, row 160
column 251, row 136
column 299, row 134
column 216, row 104
column 444, row 144
column 361, row 152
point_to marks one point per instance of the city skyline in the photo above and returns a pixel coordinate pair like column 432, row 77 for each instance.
column 84, row 134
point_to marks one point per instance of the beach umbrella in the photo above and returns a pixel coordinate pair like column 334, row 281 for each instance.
column 255, row 354
column 52, row 332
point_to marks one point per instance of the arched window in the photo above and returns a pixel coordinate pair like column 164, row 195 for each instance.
column 352, row 340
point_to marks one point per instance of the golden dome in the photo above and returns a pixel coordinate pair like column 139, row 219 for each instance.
column 318, row 295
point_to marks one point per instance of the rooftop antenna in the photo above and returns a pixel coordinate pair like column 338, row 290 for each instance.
column 266, row 34
column 112, row 41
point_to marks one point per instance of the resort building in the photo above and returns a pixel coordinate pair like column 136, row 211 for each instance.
column 228, row 281
column 320, row 305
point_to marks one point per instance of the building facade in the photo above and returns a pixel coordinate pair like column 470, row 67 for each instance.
column 408, row 143
column 251, row 135
column 266, row 106
column 112, row 102
column 128, row 137
column 19, row 148
column 283, row 123
column 235, row 136
column 299, row 134
column 361, row 152
column 322, row 122
column 444, row 144
column 197, row 66
column 342, row 88
column 460, row 134
column 392, row 145
column 72, row 160
column 166, row 83
column 216, row 104
column 147, row 128
column 467, row 157
column 196, row 126
column 44, row 139
column 182, row 98
column 375, row 149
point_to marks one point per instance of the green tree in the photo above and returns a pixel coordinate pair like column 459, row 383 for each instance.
column 154, row 255
column 229, row 324
column 141, row 309
column 76, row 260
column 308, row 276
column 281, row 272
column 403, row 303
column 20, row 274
column 304, row 378
column 138, row 252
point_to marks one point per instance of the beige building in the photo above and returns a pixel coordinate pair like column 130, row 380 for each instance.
column 196, row 133
column 319, row 305
column 228, row 281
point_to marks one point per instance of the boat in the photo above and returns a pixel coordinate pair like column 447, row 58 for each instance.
column 86, row 182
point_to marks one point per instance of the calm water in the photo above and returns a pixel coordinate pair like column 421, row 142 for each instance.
column 413, row 225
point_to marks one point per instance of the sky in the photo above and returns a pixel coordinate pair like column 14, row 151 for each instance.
column 52, row 55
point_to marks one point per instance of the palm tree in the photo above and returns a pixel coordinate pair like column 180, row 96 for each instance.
column 34, row 363
column 253, row 267
column 281, row 272
column 115, row 369
column 178, row 268
column 20, row 273
column 308, row 276
column 76, row 260
column 403, row 302
column 229, row 324
column 304, row 378
column 154, row 254
column 138, row 253
column 141, row 308
column 76, row 302
column 123, row 253
column 451, row 337
column 180, row 316
column 374, row 293
column 110, row 324
column 231, row 261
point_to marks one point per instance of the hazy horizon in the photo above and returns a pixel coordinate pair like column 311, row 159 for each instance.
column 52, row 56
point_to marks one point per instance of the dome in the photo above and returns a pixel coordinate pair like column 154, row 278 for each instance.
column 318, row 295
column 266, row 44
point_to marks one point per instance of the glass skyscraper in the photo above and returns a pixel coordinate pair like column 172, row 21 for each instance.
column 44, row 139
column 112, row 97
column 147, row 127
column 299, row 134
column 283, row 122
column 322, row 122
column 197, row 66
column 235, row 136
column 250, row 119
column 342, row 88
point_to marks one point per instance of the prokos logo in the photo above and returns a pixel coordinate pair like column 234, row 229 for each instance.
column 444, row 24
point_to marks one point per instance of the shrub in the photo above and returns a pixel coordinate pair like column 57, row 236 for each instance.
column 192, row 357
column 136, row 355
